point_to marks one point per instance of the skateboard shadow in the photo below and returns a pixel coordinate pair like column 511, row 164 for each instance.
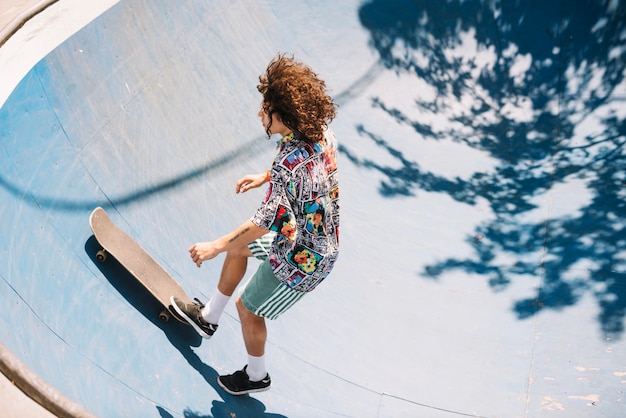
column 140, row 298
column 181, row 336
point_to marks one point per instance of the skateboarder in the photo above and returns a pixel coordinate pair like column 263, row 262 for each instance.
column 295, row 231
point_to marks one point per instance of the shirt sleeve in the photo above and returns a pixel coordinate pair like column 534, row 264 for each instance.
column 275, row 212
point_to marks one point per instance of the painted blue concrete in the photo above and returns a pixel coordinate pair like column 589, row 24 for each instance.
column 482, row 160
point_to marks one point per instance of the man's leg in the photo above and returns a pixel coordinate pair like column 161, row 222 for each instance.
column 254, row 336
column 263, row 297
column 233, row 270
column 205, row 318
column 253, row 377
column 253, row 329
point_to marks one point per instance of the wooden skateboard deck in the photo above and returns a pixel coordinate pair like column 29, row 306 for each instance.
column 137, row 261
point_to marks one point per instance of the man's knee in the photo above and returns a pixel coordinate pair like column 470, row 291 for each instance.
column 241, row 308
column 245, row 313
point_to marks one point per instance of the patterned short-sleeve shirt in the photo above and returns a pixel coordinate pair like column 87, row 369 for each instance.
column 302, row 207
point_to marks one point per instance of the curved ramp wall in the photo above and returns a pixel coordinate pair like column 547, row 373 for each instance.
column 447, row 282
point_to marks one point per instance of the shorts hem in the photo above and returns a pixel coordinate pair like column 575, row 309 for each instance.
column 266, row 296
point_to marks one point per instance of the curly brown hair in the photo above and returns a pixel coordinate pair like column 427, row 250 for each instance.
column 298, row 96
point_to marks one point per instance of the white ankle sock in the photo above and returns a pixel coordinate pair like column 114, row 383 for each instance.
column 215, row 307
column 256, row 368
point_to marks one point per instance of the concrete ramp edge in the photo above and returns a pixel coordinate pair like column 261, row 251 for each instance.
column 24, row 16
column 37, row 389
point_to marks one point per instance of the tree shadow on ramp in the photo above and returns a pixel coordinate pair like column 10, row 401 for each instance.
column 538, row 87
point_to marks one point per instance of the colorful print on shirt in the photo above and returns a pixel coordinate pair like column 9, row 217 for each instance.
column 302, row 206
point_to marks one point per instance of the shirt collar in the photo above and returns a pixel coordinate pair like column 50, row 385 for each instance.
column 285, row 139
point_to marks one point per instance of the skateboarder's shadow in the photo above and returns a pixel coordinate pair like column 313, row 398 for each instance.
column 141, row 299
column 182, row 337
column 230, row 406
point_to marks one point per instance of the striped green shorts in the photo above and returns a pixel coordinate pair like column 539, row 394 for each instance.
column 260, row 247
column 264, row 295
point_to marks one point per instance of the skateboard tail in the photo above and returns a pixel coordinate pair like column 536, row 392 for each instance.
column 141, row 265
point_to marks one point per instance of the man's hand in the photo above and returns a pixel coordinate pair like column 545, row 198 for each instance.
column 202, row 251
column 251, row 181
column 239, row 238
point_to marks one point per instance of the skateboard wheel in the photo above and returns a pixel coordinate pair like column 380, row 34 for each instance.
column 164, row 316
column 101, row 256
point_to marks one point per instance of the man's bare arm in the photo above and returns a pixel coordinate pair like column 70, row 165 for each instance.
column 244, row 234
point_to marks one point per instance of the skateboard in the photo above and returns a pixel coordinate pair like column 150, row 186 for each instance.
column 137, row 261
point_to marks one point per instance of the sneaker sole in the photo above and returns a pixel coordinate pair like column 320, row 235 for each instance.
column 189, row 320
column 244, row 392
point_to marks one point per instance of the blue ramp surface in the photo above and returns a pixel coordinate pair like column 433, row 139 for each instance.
column 482, row 167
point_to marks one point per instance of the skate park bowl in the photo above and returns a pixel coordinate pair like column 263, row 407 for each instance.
column 482, row 165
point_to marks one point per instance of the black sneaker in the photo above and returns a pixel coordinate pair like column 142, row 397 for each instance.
column 192, row 313
column 239, row 383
